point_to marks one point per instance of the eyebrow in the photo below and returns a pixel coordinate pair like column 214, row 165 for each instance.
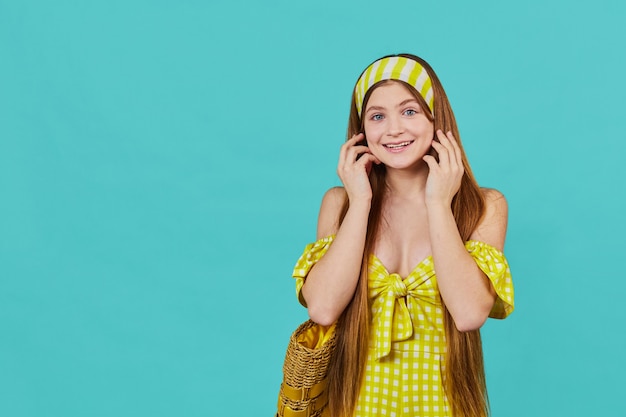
column 405, row 102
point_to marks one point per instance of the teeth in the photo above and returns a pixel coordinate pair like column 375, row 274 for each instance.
column 398, row 145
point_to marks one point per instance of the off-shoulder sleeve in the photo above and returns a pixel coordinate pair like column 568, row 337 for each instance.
column 313, row 252
column 493, row 263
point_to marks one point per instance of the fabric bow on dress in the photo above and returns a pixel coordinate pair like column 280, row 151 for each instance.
column 398, row 303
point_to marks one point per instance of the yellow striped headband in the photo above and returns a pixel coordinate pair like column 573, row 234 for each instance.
column 395, row 68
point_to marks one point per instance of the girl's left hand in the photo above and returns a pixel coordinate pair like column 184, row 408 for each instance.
column 444, row 178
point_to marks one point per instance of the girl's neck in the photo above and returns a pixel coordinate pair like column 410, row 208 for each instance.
column 407, row 184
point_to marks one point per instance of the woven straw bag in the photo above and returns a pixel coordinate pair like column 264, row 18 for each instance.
column 303, row 392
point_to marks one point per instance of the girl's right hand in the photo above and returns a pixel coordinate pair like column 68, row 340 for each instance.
column 355, row 164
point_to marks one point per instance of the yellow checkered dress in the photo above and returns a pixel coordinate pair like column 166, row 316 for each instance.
column 403, row 375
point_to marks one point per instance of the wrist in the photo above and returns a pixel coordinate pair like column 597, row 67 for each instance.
column 438, row 205
column 435, row 208
column 362, row 203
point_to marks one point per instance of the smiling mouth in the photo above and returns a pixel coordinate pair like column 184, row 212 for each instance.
column 398, row 145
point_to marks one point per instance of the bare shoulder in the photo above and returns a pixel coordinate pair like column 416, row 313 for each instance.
column 492, row 227
column 495, row 201
column 332, row 203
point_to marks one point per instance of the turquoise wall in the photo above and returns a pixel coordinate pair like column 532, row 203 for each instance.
column 162, row 165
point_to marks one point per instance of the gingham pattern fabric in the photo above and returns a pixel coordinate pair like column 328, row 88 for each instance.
column 405, row 309
column 395, row 68
column 406, row 383
column 403, row 375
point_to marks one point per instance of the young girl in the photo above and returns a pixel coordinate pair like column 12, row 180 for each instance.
column 409, row 255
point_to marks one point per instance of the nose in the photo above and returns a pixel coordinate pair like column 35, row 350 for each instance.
column 396, row 126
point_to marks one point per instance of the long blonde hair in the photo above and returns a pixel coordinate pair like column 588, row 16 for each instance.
column 464, row 375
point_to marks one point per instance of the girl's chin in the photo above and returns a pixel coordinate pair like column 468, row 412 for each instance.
column 405, row 165
column 403, row 160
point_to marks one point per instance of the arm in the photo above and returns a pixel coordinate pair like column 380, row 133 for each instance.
column 466, row 291
column 468, row 294
column 331, row 283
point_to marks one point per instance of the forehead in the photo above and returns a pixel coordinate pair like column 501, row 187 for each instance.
column 390, row 92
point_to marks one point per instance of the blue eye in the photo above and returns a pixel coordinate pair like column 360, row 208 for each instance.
column 377, row 116
column 410, row 112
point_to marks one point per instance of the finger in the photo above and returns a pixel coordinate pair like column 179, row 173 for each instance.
column 457, row 149
column 347, row 146
column 354, row 152
column 352, row 141
column 368, row 158
column 431, row 162
column 355, row 139
column 456, row 157
column 444, row 139
column 442, row 152
column 450, row 136
column 367, row 161
column 447, row 144
column 448, row 140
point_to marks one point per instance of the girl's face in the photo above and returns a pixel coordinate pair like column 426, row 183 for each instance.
column 396, row 128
